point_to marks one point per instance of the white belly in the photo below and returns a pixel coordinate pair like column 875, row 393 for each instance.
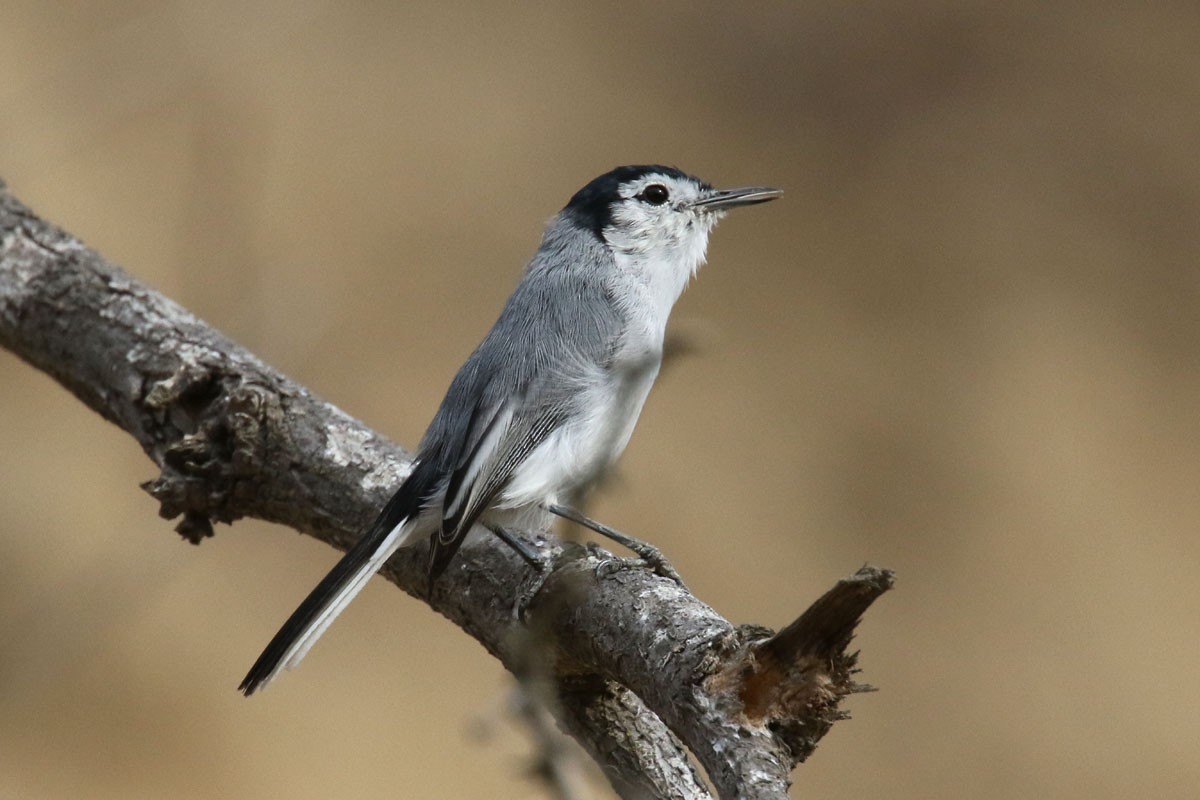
column 580, row 451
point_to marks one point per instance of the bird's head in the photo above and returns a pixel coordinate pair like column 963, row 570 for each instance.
column 658, row 214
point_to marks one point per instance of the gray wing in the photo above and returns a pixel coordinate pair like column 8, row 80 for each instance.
column 500, row 448
column 518, row 386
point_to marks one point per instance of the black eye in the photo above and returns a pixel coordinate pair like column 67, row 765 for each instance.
column 655, row 194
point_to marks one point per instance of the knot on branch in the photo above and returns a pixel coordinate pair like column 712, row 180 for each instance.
column 212, row 433
column 793, row 681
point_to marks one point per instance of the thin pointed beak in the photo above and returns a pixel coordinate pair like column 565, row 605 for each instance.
column 721, row 199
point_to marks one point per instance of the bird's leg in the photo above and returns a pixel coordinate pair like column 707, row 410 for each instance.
column 646, row 551
column 512, row 540
column 541, row 566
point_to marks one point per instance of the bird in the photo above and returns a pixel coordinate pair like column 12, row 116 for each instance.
column 542, row 408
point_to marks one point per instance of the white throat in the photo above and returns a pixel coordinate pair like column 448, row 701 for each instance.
column 654, row 264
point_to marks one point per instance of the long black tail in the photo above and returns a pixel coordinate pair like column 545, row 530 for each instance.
column 339, row 587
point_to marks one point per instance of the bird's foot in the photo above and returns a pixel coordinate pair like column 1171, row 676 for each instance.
column 650, row 555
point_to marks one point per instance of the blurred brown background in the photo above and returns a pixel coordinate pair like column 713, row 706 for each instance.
column 964, row 346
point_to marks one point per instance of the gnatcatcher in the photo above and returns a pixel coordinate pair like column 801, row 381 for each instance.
column 548, row 400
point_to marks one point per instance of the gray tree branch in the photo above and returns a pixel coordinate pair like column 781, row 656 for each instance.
column 638, row 667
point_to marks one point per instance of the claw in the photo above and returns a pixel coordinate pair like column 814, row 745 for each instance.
column 653, row 558
column 650, row 555
column 529, row 589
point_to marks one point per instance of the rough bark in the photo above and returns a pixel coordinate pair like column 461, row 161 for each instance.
column 638, row 667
